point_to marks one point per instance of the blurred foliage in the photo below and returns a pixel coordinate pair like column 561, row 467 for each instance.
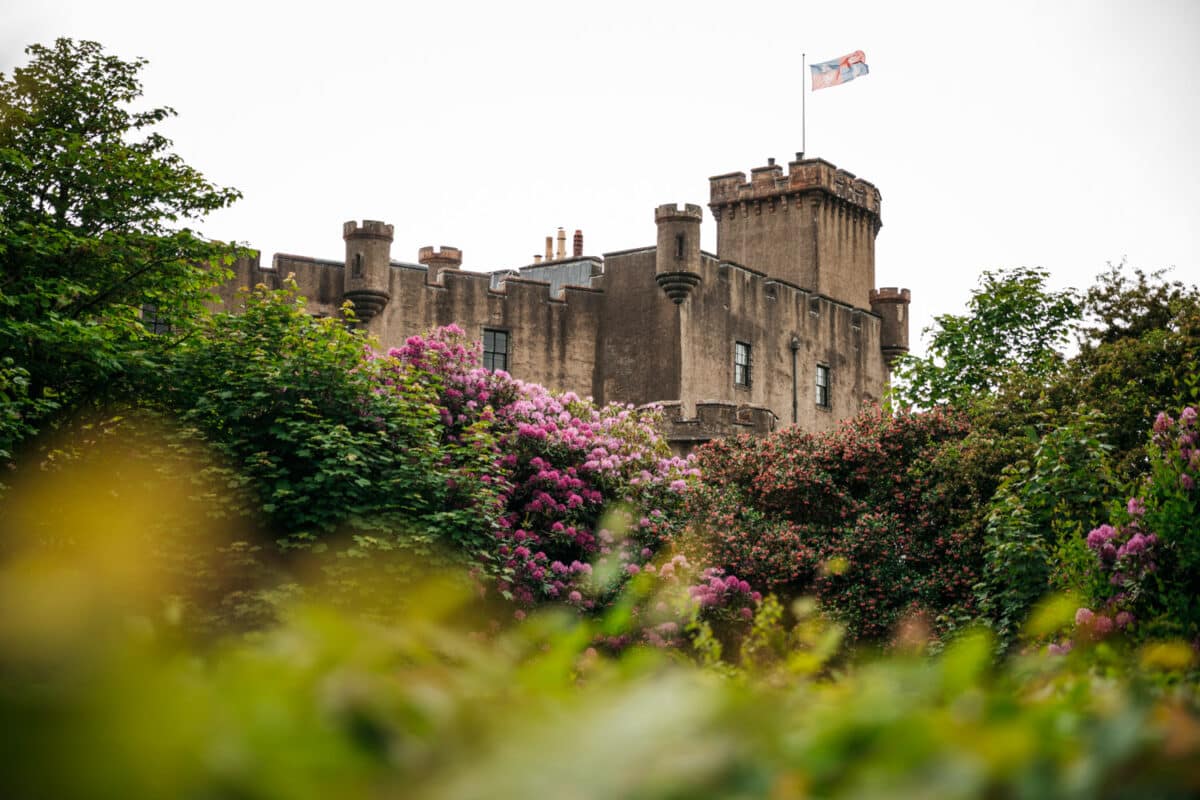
column 102, row 694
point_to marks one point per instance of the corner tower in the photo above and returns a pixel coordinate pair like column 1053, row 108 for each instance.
column 366, row 277
column 891, row 304
column 677, row 257
column 813, row 227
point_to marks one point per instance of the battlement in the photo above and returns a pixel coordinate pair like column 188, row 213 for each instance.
column 370, row 229
column 806, row 175
column 890, row 294
column 443, row 255
column 672, row 212
column 713, row 420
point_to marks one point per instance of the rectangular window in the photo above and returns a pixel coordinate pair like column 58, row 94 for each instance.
column 822, row 386
column 154, row 322
column 495, row 350
column 741, row 364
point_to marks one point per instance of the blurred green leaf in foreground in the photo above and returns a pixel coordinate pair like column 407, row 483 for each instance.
column 102, row 695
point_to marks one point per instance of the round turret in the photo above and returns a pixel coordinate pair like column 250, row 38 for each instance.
column 438, row 261
column 677, row 258
column 366, row 277
column 891, row 304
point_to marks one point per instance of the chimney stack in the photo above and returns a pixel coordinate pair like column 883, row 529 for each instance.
column 578, row 248
column 537, row 259
column 562, row 244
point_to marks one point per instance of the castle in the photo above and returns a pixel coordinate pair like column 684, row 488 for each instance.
column 782, row 326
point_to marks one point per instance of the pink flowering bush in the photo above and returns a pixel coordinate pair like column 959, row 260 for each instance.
column 591, row 494
column 1149, row 561
column 666, row 597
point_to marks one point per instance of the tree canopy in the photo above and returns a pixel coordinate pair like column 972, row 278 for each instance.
column 94, row 208
column 1014, row 324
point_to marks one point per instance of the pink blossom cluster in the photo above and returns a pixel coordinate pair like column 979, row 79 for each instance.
column 716, row 589
column 1182, row 438
column 675, row 592
column 1130, row 552
column 559, row 464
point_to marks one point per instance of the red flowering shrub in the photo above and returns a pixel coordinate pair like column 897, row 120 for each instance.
column 877, row 518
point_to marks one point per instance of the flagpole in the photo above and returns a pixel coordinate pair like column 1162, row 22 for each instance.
column 803, row 103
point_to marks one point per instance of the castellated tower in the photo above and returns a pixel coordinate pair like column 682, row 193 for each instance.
column 891, row 304
column 439, row 261
column 814, row 227
column 368, row 255
column 677, row 261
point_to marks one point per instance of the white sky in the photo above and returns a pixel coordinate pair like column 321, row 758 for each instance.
column 1056, row 134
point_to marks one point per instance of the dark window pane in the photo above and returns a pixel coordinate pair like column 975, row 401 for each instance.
column 495, row 350
column 153, row 321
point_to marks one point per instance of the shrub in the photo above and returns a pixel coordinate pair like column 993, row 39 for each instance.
column 294, row 405
column 590, row 494
column 874, row 517
column 1151, row 553
column 1036, row 520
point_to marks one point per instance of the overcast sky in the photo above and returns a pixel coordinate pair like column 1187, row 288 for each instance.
column 1001, row 134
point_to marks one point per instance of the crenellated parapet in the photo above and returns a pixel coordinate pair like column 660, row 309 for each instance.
column 438, row 261
column 728, row 193
column 812, row 224
column 368, row 229
column 713, row 420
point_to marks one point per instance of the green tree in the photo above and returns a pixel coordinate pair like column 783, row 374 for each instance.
column 307, row 425
column 1139, row 355
column 93, row 206
column 1014, row 326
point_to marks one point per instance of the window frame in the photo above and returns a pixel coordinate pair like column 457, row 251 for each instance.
column 490, row 354
column 742, row 368
column 154, row 321
column 824, row 391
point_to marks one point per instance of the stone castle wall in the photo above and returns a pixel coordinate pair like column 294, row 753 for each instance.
column 793, row 278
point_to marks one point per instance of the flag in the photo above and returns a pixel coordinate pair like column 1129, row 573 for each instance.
column 840, row 70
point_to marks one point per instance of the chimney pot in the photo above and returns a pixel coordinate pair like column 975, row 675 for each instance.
column 549, row 248
column 578, row 244
column 562, row 244
column 770, row 162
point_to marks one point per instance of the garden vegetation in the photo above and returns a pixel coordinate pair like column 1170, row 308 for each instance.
column 254, row 555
